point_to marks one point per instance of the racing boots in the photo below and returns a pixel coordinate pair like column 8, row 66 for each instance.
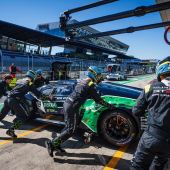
column 87, row 138
column 10, row 132
column 51, row 148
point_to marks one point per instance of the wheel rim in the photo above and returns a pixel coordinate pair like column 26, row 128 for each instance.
column 118, row 128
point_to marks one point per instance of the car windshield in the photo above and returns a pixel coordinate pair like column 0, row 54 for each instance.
column 46, row 89
column 63, row 90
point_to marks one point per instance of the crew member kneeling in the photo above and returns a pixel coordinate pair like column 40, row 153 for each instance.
column 13, row 102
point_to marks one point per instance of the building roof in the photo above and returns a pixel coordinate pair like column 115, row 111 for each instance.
column 53, row 28
column 92, row 30
column 28, row 35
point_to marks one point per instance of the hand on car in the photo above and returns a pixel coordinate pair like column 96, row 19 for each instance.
column 111, row 107
column 50, row 97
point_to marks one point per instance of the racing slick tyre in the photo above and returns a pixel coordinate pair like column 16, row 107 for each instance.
column 117, row 127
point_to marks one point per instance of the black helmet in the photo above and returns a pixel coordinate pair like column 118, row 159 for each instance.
column 7, row 77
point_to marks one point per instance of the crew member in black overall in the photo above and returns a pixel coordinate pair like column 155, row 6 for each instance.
column 40, row 80
column 4, row 84
column 154, row 146
column 84, row 90
column 14, row 99
column 4, row 87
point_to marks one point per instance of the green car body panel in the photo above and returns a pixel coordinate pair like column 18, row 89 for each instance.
column 93, row 111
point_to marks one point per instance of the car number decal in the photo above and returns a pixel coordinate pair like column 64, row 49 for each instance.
column 50, row 107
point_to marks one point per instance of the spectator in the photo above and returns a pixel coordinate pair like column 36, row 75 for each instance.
column 13, row 70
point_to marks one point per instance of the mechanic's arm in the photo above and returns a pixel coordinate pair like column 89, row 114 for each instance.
column 141, row 104
column 46, row 80
column 97, row 98
column 5, row 93
column 34, row 90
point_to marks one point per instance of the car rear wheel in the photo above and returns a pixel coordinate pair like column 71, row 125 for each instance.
column 117, row 128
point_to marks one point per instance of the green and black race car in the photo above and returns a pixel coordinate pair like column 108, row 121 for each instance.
column 118, row 127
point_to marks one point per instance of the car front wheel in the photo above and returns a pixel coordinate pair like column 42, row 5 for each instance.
column 117, row 127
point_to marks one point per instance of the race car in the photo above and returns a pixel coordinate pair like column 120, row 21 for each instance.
column 118, row 127
column 116, row 76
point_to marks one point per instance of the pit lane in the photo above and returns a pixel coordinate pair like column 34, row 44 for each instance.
column 28, row 152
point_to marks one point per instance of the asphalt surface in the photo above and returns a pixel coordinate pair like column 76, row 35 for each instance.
column 28, row 152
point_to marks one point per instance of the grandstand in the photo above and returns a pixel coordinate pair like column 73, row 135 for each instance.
column 15, row 43
column 106, row 42
column 26, row 61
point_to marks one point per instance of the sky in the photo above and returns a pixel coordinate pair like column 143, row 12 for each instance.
column 148, row 44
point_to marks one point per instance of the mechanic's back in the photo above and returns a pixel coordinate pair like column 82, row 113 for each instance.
column 154, row 145
column 85, row 89
column 158, row 97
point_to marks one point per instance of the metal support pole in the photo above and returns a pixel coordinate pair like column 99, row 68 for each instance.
column 7, row 46
column 28, row 61
column 38, row 50
column 32, row 61
column 64, row 18
column 49, row 52
column 96, row 4
column 25, row 47
column 139, row 11
column 2, row 64
column 125, row 30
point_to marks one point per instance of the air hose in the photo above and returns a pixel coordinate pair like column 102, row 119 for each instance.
column 166, row 35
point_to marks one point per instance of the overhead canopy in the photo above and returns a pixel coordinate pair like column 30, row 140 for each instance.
column 29, row 35
column 46, row 40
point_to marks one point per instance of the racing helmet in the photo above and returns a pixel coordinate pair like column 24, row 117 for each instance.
column 31, row 74
column 95, row 73
column 163, row 67
column 39, row 72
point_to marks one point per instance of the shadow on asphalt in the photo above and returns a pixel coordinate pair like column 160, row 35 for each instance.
column 82, row 159
column 38, row 141
column 5, row 124
column 76, row 143
column 5, row 138
column 30, row 125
